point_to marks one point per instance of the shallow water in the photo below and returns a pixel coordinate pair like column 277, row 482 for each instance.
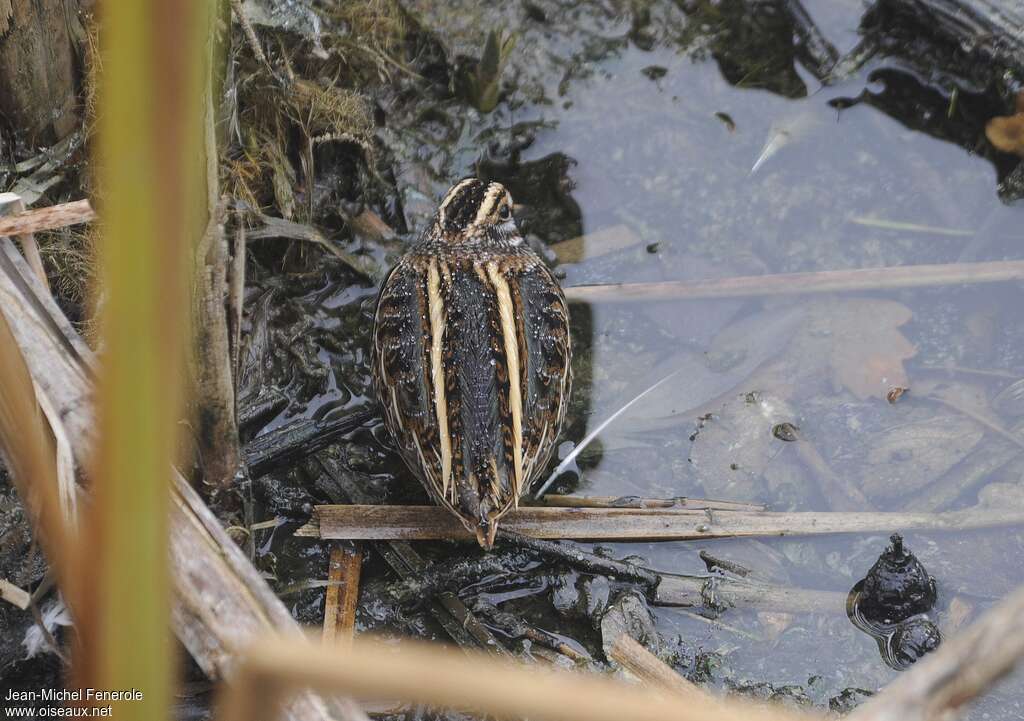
column 642, row 123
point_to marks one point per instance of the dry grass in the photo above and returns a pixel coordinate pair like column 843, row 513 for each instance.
column 378, row 24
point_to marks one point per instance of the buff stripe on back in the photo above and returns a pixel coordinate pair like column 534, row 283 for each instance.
column 437, row 327
column 515, row 397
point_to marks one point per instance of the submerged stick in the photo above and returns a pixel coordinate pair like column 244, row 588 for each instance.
column 593, row 245
column 962, row 669
column 679, row 503
column 435, row 523
column 827, row 281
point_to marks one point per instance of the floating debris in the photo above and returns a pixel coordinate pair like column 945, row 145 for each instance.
column 730, row 124
column 895, row 393
column 786, row 432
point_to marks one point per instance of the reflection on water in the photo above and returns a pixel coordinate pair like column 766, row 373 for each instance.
column 638, row 126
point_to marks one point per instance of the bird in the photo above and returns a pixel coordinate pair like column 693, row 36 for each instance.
column 471, row 357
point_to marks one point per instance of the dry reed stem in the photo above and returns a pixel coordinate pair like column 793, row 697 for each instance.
column 828, row 281
column 361, row 522
column 450, row 678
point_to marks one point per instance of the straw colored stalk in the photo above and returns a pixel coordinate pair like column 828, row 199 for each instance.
column 364, row 522
column 149, row 138
column 451, row 678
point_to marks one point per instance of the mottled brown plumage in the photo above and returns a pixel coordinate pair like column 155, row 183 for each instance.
column 471, row 357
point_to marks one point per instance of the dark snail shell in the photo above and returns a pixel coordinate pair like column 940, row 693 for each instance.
column 471, row 358
column 897, row 586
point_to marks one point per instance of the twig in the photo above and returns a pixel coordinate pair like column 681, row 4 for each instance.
column 283, row 228
column 27, row 239
column 51, row 218
column 515, row 627
column 818, row 53
column 342, row 594
column 250, row 36
column 827, row 281
column 14, row 595
column 632, row 656
column 679, row 503
column 435, row 523
column 963, row 668
column 451, row 573
column 578, row 558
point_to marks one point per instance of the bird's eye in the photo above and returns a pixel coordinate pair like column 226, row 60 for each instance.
column 504, row 213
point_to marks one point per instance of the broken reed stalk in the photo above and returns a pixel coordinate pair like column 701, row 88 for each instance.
column 27, row 239
column 343, row 574
column 434, row 523
column 828, row 281
column 212, row 369
column 963, row 668
column 451, row 678
column 648, row 668
column 51, row 218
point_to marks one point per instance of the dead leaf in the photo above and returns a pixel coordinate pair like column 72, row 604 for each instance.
column 1007, row 132
column 868, row 348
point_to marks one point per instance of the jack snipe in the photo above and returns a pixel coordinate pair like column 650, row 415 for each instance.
column 471, row 357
